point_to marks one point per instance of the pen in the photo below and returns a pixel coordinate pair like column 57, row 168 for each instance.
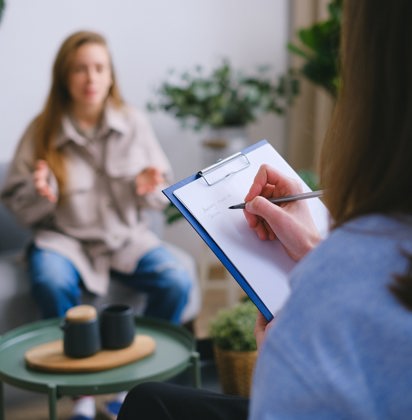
column 286, row 198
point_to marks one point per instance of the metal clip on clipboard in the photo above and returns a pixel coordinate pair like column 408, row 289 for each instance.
column 224, row 168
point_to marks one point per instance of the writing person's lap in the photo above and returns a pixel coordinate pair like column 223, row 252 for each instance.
column 163, row 401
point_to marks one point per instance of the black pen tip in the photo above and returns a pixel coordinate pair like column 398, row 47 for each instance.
column 237, row 206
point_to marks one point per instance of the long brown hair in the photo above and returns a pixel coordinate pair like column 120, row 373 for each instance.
column 48, row 123
column 366, row 162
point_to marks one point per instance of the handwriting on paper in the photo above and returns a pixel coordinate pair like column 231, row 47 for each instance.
column 215, row 209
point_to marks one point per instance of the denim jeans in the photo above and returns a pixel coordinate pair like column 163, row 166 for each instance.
column 56, row 284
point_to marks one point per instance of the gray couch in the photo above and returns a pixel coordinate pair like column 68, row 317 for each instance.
column 16, row 304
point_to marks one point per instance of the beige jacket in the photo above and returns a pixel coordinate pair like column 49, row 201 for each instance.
column 98, row 224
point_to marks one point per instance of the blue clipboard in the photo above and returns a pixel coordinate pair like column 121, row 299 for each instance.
column 236, row 162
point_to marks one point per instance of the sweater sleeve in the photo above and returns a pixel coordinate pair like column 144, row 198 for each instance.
column 19, row 194
column 286, row 388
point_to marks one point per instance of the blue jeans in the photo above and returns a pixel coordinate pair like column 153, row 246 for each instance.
column 56, row 284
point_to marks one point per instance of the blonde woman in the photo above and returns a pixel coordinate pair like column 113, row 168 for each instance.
column 82, row 173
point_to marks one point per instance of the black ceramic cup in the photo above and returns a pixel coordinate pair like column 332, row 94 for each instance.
column 117, row 328
column 81, row 335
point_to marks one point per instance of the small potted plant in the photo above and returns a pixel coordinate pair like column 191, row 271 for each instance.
column 231, row 332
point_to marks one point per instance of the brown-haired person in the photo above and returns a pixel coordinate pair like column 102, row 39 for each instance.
column 83, row 171
column 341, row 346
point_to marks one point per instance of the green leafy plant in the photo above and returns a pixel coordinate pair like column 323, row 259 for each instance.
column 319, row 47
column 2, row 5
column 224, row 97
column 232, row 328
column 310, row 178
column 171, row 213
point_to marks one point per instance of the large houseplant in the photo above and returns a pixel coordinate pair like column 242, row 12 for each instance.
column 223, row 97
column 318, row 45
column 231, row 332
column 2, row 4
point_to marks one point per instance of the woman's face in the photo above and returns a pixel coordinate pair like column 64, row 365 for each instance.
column 90, row 76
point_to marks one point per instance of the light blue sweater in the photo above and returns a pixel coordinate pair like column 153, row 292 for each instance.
column 342, row 345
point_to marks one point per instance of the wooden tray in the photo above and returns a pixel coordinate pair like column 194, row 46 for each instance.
column 50, row 357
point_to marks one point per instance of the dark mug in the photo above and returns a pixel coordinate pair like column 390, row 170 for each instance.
column 81, row 335
column 117, row 327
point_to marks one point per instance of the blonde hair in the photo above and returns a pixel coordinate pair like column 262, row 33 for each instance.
column 48, row 123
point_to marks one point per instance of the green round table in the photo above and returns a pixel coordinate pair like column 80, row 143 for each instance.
column 175, row 352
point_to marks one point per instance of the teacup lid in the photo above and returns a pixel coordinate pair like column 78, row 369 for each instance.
column 81, row 313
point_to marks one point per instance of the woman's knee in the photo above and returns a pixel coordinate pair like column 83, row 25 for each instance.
column 178, row 281
column 50, row 270
column 55, row 283
column 173, row 278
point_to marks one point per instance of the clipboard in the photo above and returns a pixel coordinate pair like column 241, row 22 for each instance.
column 261, row 268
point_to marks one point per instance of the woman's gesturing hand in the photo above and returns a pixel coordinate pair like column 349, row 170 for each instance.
column 148, row 180
column 41, row 176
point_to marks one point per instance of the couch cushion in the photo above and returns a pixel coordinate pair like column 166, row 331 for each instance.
column 16, row 305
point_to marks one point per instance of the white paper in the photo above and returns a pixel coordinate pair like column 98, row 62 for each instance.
column 264, row 264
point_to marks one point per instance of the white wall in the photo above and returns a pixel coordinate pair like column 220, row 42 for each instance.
column 147, row 38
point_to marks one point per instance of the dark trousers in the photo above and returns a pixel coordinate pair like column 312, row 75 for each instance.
column 163, row 401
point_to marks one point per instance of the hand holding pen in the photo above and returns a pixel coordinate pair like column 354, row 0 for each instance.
column 292, row 225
